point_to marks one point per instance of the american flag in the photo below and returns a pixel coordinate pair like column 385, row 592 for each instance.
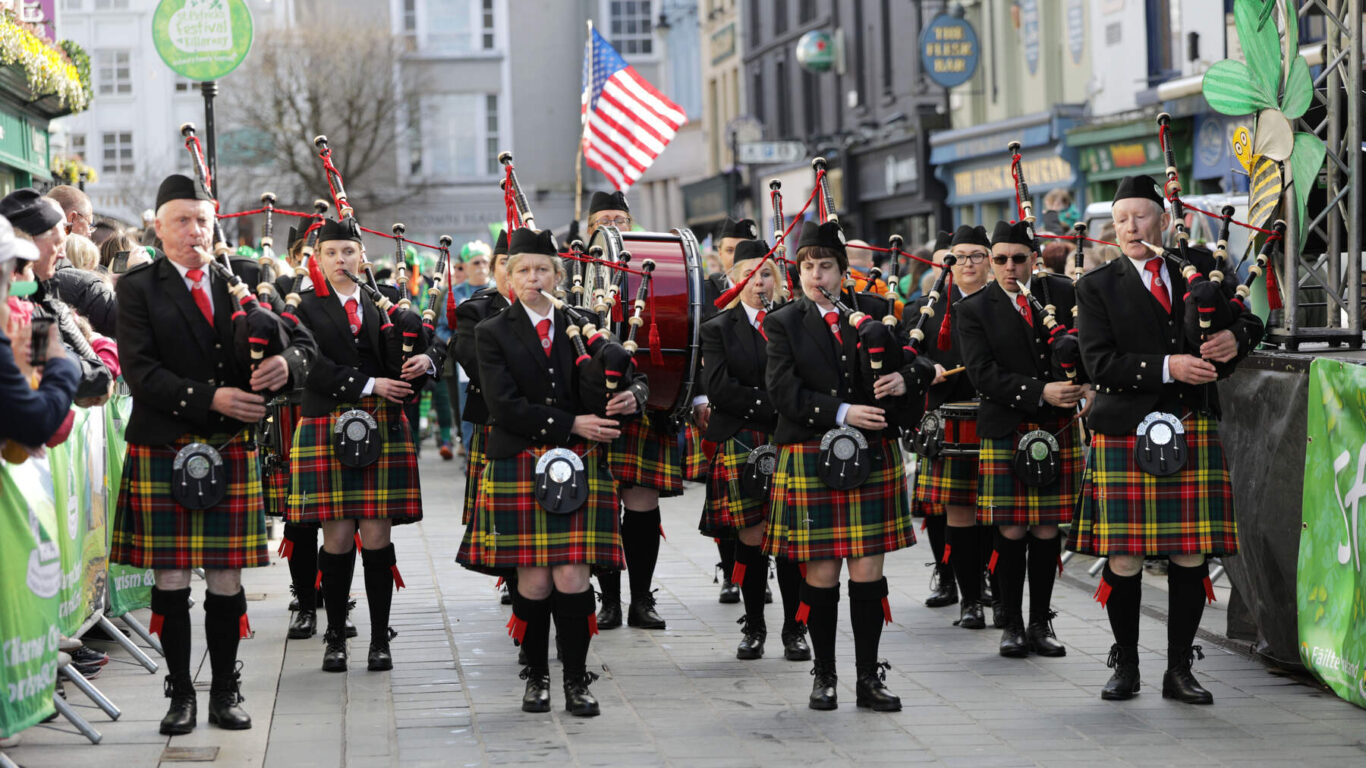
column 626, row 121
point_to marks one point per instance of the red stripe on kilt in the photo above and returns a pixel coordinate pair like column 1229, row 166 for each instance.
column 803, row 610
column 243, row 627
column 154, row 626
column 944, row 482
column 1209, row 590
column 398, row 577
column 727, row 507
column 886, row 611
column 737, row 573
column 1102, row 595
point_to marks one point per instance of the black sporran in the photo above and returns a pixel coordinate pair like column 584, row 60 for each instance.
column 199, row 480
column 756, row 477
column 1160, row 448
column 561, row 481
column 356, row 439
column 845, row 461
column 1036, row 461
column 929, row 438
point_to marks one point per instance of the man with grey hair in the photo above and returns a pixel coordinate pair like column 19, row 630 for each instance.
column 76, row 209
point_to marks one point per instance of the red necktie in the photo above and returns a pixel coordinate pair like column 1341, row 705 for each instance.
column 201, row 296
column 1158, row 288
column 832, row 319
column 543, row 330
column 352, row 316
column 1024, row 309
column 759, row 323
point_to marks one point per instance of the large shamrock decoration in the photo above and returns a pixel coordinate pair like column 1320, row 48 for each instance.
column 1274, row 84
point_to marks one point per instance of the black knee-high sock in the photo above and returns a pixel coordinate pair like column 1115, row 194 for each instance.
column 986, row 545
column 789, row 587
column 640, row 540
column 222, row 632
column 337, row 572
column 1043, row 564
column 935, row 526
column 573, row 613
column 752, row 585
column 173, row 606
column 303, row 563
column 1121, row 605
column 726, row 543
column 965, row 559
column 822, row 605
column 535, row 615
column 1010, row 574
column 1185, row 606
column 609, row 584
column 866, row 616
column 379, row 589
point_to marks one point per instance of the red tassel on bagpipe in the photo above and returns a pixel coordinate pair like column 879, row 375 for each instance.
column 886, row 611
column 945, row 339
column 450, row 296
column 398, row 577
column 243, row 627
column 1102, row 595
column 991, row 564
column 1273, row 288
column 154, row 626
column 516, row 629
column 1209, row 590
column 947, row 549
column 286, row 549
column 656, row 354
column 737, row 573
column 803, row 611
column 315, row 274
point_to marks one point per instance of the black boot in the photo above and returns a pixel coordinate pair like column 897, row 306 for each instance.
column 1010, row 578
column 572, row 612
column 536, row 697
column 1123, row 683
column 725, row 548
column 182, row 715
column 578, row 700
column 640, row 543
column 943, row 586
column 303, row 575
column 642, row 613
column 337, row 572
column 751, row 571
column 609, row 591
column 986, row 544
column 1121, row 596
column 1043, row 559
column 752, row 637
column 822, row 605
column 334, row 651
column 867, row 612
column 172, row 606
column 795, row 647
column 871, row 689
column 530, row 628
column 379, row 593
column 1179, row 683
column 823, row 683
column 223, row 624
column 961, row 548
column 1185, row 606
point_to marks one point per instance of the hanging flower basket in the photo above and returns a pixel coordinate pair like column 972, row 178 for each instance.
column 49, row 70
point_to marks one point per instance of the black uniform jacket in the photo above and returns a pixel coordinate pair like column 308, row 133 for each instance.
column 173, row 361
column 1007, row 360
column 734, row 361
column 808, row 375
column 480, row 306
column 532, row 398
column 712, row 288
column 345, row 362
column 1125, row 334
column 958, row 387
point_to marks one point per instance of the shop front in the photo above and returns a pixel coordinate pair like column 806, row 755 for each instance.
column 708, row 202
column 1110, row 152
column 895, row 194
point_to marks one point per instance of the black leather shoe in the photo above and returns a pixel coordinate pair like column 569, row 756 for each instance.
column 181, row 715
column 970, row 616
column 334, row 651
column 752, row 639
column 609, row 616
column 577, row 700
column 873, row 693
column 294, row 602
column 1013, row 642
column 1179, row 682
column 379, row 658
column 225, row 698
column 999, row 616
column 823, row 694
column 1042, row 640
column 943, row 588
column 794, row 643
column 304, row 625
column 730, row 592
column 537, row 695
column 1123, row 684
column 642, row 613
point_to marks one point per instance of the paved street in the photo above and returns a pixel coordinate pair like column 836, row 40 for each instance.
column 679, row 697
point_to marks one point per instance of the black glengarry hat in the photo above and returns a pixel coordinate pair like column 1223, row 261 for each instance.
column 525, row 240
column 827, row 235
column 346, row 229
column 178, row 186
column 608, row 201
column 943, row 241
column 1142, row 186
column 1019, row 233
column 500, row 246
column 745, row 229
column 750, row 249
column 968, row 235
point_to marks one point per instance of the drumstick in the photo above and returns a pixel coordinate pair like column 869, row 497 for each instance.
column 952, row 371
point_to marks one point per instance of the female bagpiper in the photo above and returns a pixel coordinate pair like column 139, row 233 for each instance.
column 824, row 395
column 741, row 424
column 546, row 503
column 355, row 465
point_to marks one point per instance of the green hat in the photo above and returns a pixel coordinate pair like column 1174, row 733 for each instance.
column 409, row 255
column 468, row 250
column 428, row 261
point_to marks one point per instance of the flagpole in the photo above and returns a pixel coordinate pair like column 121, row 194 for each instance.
column 583, row 129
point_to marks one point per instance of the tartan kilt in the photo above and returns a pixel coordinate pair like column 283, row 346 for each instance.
column 151, row 530
column 1124, row 511
column 322, row 489
column 509, row 529
column 646, row 457
column 474, row 467
column 696, row 459
column 808, row 520
column 944, row 481
column 1003, row 500
column 277, row 481
column 727, row 509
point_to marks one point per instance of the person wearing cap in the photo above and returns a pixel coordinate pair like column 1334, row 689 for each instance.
column 1146, row 375
column 359, row 372
column 733, row 365
column 819, row 387
column 449, row 400
column 175, row 340
column 82, row 289
column 647, row 464
column 526, row 360
column 1005, row 346
column 946, row 486
column 732, row 233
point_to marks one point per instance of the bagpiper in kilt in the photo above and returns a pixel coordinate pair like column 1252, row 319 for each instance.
column 527, row 366
column 819, row 385
column 741, row 420
column 1133, row 343
column 360, row 378
column 1024, row 495
column 647, row 463
column 175, row 336
column 946, row 485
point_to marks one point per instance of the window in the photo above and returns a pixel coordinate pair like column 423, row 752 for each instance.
column 118, row 152
column 491, row 128
column 631, row 27
column 784, row 114
column 71, row 5
column 76, row 145
column 111, row 5
column 811, row 103
column 806, row 11
column 756, row 94
column 486, row 24
column 453, row 26
column 460, row 136
column 115, row 72
column 409, row 28
column 184, row 85
column 756, row 35
column 779, row 16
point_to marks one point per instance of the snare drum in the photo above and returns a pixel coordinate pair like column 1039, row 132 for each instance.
column 960, row 428
column 675, row 306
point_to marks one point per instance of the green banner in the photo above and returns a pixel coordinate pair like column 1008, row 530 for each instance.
column 30, row 590
column 1331, row 584
column 129, row 588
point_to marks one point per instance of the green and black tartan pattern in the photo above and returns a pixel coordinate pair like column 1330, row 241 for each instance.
column 324, row 489
column 1003, row 500
column 1125, row 511
column 150, row 530
column 727, row 508
column 277, row 482
column 646, row 457
column 510, row 530
column 474, row 467
column 808, row 520
column 696, row 461
column 945, row 481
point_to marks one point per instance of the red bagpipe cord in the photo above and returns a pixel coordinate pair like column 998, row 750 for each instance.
column 286, row 549
column 450, row 293
column 945, row 340
column 1015, row 174
column 243, row 627
column 1102, row 595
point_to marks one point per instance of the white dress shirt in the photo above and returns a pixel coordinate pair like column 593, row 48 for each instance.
column 360, row 319
column 1147, row 278
column 190, row 284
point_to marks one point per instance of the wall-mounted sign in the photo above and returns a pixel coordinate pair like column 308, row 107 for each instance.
column 949, row 51
column 816, row 51
column 723, row 43
column 202, row 39
column 771, row 152
column 1029, row 33
column 1076, row 29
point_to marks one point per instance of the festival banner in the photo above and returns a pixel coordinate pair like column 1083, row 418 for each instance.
column 30, row 593
column 129, row 588
column 1331, row 584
